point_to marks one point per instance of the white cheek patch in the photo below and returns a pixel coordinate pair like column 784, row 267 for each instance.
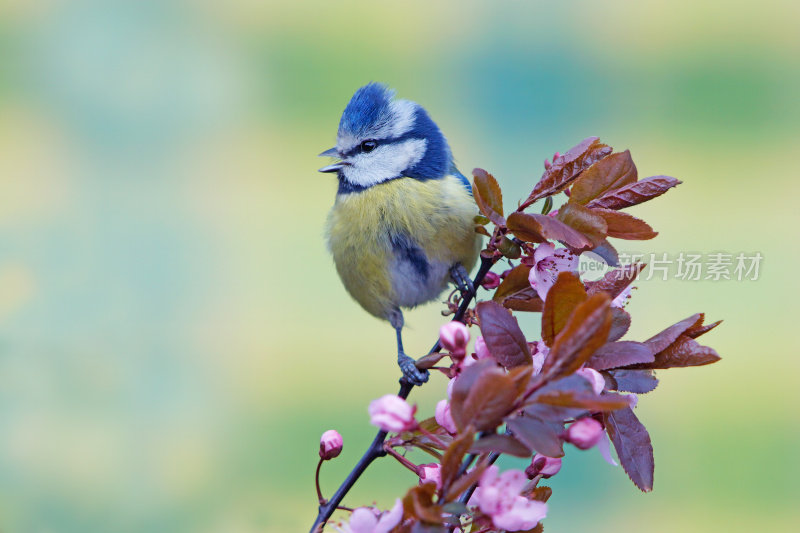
column 384, row 162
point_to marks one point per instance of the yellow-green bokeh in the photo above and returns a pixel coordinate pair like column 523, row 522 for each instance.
column 173, row 336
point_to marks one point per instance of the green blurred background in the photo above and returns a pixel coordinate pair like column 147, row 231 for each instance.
column 173, row 336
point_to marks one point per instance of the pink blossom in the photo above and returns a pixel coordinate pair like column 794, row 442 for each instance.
column 584, row 433
column 443, row 416
column 481, row 350
column 498, row 496
column 490, row 281
column 547, row 264
column 594, row 377
column 541, row 353
column 543, row 466
column 369, row 520
column 330, row 444
column 622, row 298
column 603, row 446
column 431, row 473
column 454, row 337
column 633, row 399
column 392, row 413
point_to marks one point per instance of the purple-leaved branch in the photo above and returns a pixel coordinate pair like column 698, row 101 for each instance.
column 577, row 384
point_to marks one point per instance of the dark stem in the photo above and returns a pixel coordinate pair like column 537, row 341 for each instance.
column 375, row 449
column 468, row 494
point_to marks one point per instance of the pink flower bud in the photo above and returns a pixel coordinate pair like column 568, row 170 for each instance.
column 430, row 473
column 454, row 337
column 594, row 377
column 543, row 466
column 584, row 433
column 330, row 444
column 490, row 281
column 392, row 413
column 444, row 418
column 481, row 350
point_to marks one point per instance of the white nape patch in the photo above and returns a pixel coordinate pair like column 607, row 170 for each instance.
column 410, row 289
column 403, row 117
column 385, row 162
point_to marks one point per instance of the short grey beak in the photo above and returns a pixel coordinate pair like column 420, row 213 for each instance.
column 330, row 152
column 332, row 168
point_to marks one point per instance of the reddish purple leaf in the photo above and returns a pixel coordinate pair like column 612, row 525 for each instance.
column 685, row 351
column 620, row 322
column 638, row 381
column 699, row 329
column 502, row 334
column 488, row 196
column 562, row 299
column 566, row 168
column 615, row 281
column 542, row 436
column 635, row 193
column 539, row 228
column 501, row 444
column 583, row 220
column 484, row 393
column 633, row 446
column 586, row 330
column 621, row 353
column 515, row 282
column 660, row 341
column 612, row 172
column 624, row 226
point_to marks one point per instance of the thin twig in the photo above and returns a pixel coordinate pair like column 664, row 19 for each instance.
column 316, row 481
column 468, row 494
column 402, row 460
column 375, row 449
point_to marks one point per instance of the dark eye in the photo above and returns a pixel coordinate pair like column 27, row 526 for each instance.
column 368, row 146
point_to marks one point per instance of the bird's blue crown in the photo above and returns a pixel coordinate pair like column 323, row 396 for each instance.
column 374, row 114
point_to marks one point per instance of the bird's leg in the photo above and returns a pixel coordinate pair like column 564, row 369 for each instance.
column 407, row 364
column 460, row 277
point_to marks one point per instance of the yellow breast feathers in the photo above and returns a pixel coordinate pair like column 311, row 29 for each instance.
column 394, row 243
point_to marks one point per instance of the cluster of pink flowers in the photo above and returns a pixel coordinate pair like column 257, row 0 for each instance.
column 499, row 497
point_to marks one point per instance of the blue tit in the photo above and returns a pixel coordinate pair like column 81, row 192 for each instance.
column 403, row 224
